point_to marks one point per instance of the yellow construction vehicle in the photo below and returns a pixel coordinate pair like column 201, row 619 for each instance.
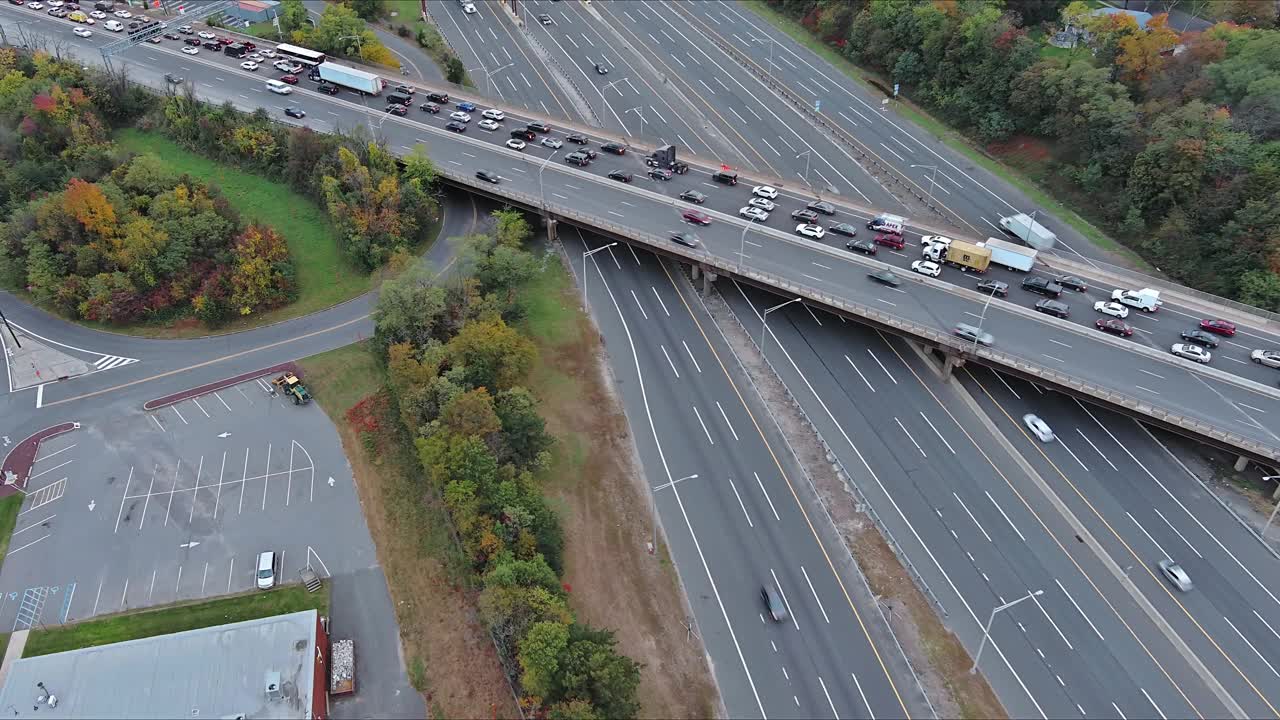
column 290, row 385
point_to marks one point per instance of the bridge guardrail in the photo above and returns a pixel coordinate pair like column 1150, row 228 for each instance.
column 930, row 335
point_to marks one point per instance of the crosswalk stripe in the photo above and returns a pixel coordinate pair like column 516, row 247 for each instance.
column 107, row 362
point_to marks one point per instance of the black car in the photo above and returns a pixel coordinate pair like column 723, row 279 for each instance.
column 1200, row 337
column 728, row 177
column 614, row 148
column 660, row 173
column 172, row 36
column 295, row 112
column 171, row 78
column 844, row 229
column 328, row 89
column 1042, row 285
column 602, row 69
column 429, row 107
column 193, row 42
column 1071, row 282
column 885, row 276
column 436, row 97
column 686, row 239
column 213, row 45
column 822, row 206
column 866, row 247
column 396, row 109
column 488, row 176
column 577, row 158
column 806, row 216
column 456, row 126
column 539, row 127
column 522, row 134
column 577, row 138
column 620, row 176
column 995, row 287
column 693, row 196
column 1054, row 308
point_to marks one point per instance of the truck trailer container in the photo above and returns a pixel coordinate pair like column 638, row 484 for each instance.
column 964, row 255
column 1014, row 257
column 350, row 78
column 1025, row 228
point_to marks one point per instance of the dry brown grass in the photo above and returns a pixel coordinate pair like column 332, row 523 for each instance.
column 597, row 487
column 449, row 655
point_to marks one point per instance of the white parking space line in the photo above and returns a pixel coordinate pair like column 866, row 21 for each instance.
column 175, row 412
column 224, row 402
column 197, row 403
column 55, row 467
column 55, row 452
column 766, row 497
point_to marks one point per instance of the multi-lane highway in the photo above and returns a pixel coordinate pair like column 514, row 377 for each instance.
column 1008, row 539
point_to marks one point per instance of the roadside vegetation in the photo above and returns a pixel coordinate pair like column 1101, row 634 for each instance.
column 430, row 39
column 1164, row 140
column 340, row 31
column 178, row 617
column 9, row 509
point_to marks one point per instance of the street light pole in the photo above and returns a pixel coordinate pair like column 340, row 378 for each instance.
column 489, row 82
column 653, row 505
column 933, row 179
column 764, row 319
column 1264, row 479
column 9, row 327
column 771, row 43
column 639, row 110
column 604, row 104
column 806, row 155
column 742, row 243
column 987, row 631
column 585, row 255
column 541, row 188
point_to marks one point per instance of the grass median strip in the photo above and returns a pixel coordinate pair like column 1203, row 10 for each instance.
column 175, row 618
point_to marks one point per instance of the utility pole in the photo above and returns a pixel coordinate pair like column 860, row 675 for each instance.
column 10, row 329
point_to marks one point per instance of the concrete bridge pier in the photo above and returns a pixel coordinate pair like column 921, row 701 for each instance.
column 950, row 363
column 708, row 279
column 1242, row 463
column 551, row 228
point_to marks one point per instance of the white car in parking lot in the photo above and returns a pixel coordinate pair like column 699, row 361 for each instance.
column 460, row 116
column 487, row 124
column 761, row 203
column 810, row 231
column 1270, row 358
column 249, row 65
column 1038, row 427
column 1191, row 352
column 1114, row 309
column 83, row 32
column 754, row 213
column 927, row 267
column 494, row 114
column 764, row 191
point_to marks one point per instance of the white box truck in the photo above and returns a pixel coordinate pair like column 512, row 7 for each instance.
column 350, row 78
column 1146, row 299
column 1025, row 228
column 1014, row 257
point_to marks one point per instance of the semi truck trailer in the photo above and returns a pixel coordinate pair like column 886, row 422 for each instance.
column 350, row 78
column 1014, row 257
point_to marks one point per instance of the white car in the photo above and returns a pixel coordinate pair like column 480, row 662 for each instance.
column 761, row 203
column 764, row 191
column 487, row 124
column 98, row 14
column 56, row 3
column 1038, row 428
column 249, row 65
column 254, row 57
column 35, row 6
column 187, row 49
column 266, row 572
column 122, row 14
column 1174, row 573
column 283, row 65
column 1270, row 358
column 516, row 144
column 83, row 32
column 931, row 240
column 927, row 267
column 810, row 231
column 552, row 143
column 1191, row 352
column 459, row 116
column 754, row 213
column 203, row 34
column 1114, row 309
column 494, row 114
column 469, row 8
column 266, row 52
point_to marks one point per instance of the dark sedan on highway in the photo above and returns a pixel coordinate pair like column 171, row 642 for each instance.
column 1115, row 327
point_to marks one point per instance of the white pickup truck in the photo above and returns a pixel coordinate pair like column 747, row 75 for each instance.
column 1146, row 299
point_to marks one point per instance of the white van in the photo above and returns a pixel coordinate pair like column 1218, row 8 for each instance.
column 887, row 223
column 113, row 25
column 266, row 573
column 278, row 87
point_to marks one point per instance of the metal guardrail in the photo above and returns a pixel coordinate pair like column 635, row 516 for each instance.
column 932, row 336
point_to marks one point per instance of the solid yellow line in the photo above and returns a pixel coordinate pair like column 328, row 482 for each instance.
column 796, row 497
column 1138, row 561
column 1044, row 526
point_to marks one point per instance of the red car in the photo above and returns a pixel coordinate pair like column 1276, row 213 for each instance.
column 226, row 41
column 1219, row 327
column 696, row 217
column 291, row 79
column 1117, row 327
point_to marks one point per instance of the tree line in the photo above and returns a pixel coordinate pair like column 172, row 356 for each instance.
column 1170, row 140
column 456, row 361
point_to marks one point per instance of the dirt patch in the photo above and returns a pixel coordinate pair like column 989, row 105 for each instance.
column 1022, row 151
column 937, row 656
column 599, row 491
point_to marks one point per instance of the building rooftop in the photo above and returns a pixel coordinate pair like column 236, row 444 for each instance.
column 216, row 672
column 1141, row 17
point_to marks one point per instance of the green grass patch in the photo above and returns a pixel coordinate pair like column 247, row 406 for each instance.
column 343, row 377
column 947, row 135
column 4, row 644
column 552, row 305
column 9, row 509
column 175, row 618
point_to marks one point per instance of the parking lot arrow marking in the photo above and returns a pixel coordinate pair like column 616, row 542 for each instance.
column 189, row 545
column 7, row 441
column 224, row 435
column 92, row 505
column 331, row 481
